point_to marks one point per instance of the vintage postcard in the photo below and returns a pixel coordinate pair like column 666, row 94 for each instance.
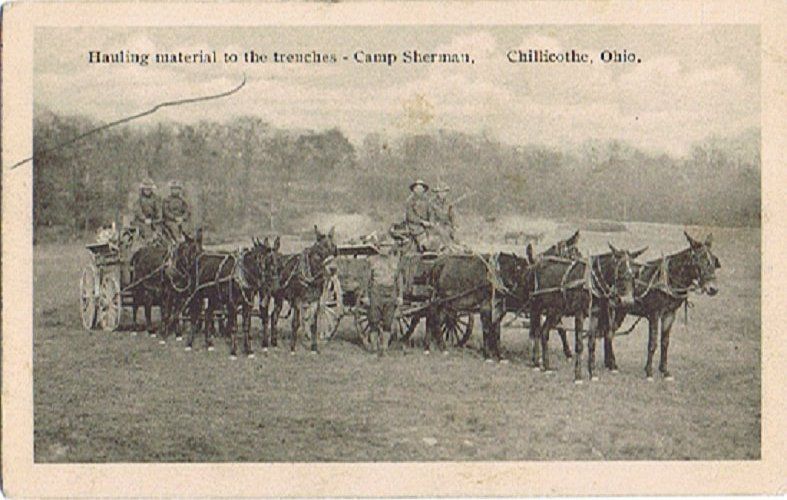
column 392, row 249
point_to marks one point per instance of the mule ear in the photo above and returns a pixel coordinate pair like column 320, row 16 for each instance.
column 574, row 238
column 265, row 242
column 692, row 241
column 277, row 243
column 317, row 232
column 331, row 232
column 637, row 253
column 615, row 251
column 529, row 253
column 709, row 240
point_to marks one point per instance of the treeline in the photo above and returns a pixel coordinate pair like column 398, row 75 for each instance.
column 247, row 174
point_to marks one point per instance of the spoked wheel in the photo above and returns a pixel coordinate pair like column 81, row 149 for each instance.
column 361, row 320
column 457, row 327
column 331, row 309
column 110, row 304
column 88, row 296
column 407, row 326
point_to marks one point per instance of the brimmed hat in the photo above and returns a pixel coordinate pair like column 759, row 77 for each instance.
column 442, row 188
column 419, row 182
column 147, row 183
column 174, row 183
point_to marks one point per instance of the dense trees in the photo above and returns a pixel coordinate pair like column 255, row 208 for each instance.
column 247, row 174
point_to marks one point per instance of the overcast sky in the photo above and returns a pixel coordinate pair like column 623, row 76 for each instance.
column 693, row 81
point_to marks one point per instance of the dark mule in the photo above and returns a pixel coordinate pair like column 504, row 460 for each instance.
column 564, row 287
column 662, row 287
column 470, row 284
column 566, row 249
column 147, row 280
column 300, row 283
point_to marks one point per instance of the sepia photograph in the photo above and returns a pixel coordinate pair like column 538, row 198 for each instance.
column 394, row 243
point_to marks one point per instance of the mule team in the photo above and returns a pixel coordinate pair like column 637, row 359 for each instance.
column 558, row 283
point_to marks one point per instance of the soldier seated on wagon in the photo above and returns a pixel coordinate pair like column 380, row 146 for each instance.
column 147, row 211
column 418, row 213
column 176, row 213
column 443, row 212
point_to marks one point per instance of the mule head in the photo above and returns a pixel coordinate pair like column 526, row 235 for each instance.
column 326, row 245
column 624, row 275
column 567, row 248
column 703, row 264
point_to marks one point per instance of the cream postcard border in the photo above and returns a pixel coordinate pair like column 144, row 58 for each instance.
column 21, row 477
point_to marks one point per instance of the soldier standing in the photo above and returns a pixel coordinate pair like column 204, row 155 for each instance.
column 147, row 212
column 418, row 212
column 383, row 289
column 176, row 212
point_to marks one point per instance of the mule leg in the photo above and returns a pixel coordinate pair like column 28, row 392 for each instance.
column 247, row 340
column 296, row 322
column 653, row 331
column 278, row 302
column 265, row 333
column 666, row 325
column 535, row 340
column 592, row 326
column 578, row 350
column 566, row 348
column 549, row 324
column 429, row 331
column 209, row 324
column 439, row 321
column 313, row 328
column 149, row 315
column 194, row 310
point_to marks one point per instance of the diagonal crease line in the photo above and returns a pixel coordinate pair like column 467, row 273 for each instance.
column 152, row 110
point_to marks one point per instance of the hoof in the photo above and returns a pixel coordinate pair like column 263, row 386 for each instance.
column 594, row 378
column 152, row 335
column 489, row 360
column 162, row 342
column 536, row 368
column 314, row 353
column 503, row 361
column 178, row 339
column 250, row 356
column 292, row 353
column 134, row 334
column 187, row 348
column 578, row 382
column 649, row 379
column 233, row 357
column 445, row 353
column 210, row 348
column 614, row 370
column 426, row 353
column 265, row 350
column 669, row 378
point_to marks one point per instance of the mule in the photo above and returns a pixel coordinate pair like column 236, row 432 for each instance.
column 662, row 287
column 474, row 283
column 564, row 287
column 147, row 281
column 300, row 282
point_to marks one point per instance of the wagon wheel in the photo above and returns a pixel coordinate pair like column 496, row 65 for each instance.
column 88, row 296
column 361, row 320
column 110, row 304
column 331, row 309
column 458, row 327
column 407, row 326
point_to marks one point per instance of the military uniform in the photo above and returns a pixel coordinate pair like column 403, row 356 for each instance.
column 418, row 213
column 383, row 291
column 147, row 212
column 177, row 215
column 443, row 212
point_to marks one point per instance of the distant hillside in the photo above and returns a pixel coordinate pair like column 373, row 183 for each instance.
column 240, row 173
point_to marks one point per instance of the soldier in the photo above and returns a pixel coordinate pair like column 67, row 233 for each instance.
column 176, row 212
column 147, row 212
column 418, row 213
column 384, row 295
column 442, row 211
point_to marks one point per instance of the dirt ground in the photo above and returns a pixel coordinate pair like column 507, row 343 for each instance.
column 116, row 397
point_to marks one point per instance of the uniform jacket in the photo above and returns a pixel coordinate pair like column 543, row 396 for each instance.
column 148, row 207
column 175, row 207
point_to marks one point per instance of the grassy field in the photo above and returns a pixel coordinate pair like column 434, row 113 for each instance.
column 102, row 397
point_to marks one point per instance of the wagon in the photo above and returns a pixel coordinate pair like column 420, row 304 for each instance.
column 102, row 293
column 345, row 294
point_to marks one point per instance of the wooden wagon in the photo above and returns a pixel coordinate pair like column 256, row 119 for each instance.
column 102, row 287
column 345, row 294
